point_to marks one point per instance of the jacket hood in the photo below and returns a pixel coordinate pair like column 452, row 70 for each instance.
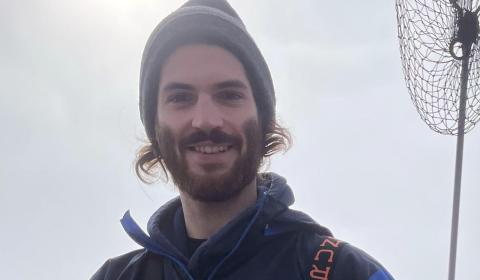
column 272, row 190
column 167, row 226
column 269, row 216
column 270, row 185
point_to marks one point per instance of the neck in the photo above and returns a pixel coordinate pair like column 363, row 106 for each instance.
column 203, row 219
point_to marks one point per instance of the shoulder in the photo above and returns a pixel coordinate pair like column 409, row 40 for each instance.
column 334, row 259
column 354, row 263
column 114, row 267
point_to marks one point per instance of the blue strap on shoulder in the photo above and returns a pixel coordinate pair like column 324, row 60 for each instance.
column 137, row 234
column 140, row 237
column 380, row 275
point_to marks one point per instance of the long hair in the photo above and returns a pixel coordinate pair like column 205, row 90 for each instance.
column 149, row 165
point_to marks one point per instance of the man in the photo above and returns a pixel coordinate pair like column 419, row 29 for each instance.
column 208, row 106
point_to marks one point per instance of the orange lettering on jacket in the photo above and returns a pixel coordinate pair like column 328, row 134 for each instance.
column 332, row 242
column 323, row 260
column 317, row 273
column 322, row 251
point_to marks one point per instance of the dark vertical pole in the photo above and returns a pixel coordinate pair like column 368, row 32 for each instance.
column 458, row 167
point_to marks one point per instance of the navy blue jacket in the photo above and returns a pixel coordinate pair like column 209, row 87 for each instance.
column 266, row 241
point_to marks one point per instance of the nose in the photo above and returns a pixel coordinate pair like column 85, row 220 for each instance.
column 206, row 116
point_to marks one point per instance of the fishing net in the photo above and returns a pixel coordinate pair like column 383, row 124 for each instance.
column 431, row 36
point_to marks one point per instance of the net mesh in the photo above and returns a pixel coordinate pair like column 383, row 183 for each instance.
column 426, row 29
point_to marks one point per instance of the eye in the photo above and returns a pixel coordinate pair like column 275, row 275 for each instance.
column 180, row 98
column 230, row 95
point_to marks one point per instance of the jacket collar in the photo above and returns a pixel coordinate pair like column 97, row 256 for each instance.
column 269, row 216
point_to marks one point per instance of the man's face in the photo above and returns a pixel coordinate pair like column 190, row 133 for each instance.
column 207, row 123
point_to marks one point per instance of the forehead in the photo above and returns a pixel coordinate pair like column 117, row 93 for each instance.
column 201, row 64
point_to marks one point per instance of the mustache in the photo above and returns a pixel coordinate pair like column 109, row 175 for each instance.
column 216, row 136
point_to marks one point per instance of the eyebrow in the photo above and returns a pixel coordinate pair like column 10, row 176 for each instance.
column 230, row 84
column 172, row 86
column 176, row 86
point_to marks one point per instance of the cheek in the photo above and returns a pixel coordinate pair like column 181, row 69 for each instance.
column 252, row 135
column 171, row 119
column 167, row 138
column 242, row 115
column 176, row 123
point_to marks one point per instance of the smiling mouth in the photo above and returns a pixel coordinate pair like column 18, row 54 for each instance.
column 210, row 149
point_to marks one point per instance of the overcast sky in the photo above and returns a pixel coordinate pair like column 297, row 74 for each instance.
column 363, row 162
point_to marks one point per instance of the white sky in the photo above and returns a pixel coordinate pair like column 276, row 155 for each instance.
column 363, row 163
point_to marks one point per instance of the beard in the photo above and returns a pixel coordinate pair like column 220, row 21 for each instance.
column 213, row 188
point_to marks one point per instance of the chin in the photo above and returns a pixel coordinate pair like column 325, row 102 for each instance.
column 209, row 171
column 216, row 186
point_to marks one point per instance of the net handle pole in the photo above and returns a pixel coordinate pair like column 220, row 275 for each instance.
column 458, row 168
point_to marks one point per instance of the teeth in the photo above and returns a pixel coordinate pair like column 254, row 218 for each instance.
column 210, row 149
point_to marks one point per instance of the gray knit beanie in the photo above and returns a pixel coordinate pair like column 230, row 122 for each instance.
column 211, row 22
